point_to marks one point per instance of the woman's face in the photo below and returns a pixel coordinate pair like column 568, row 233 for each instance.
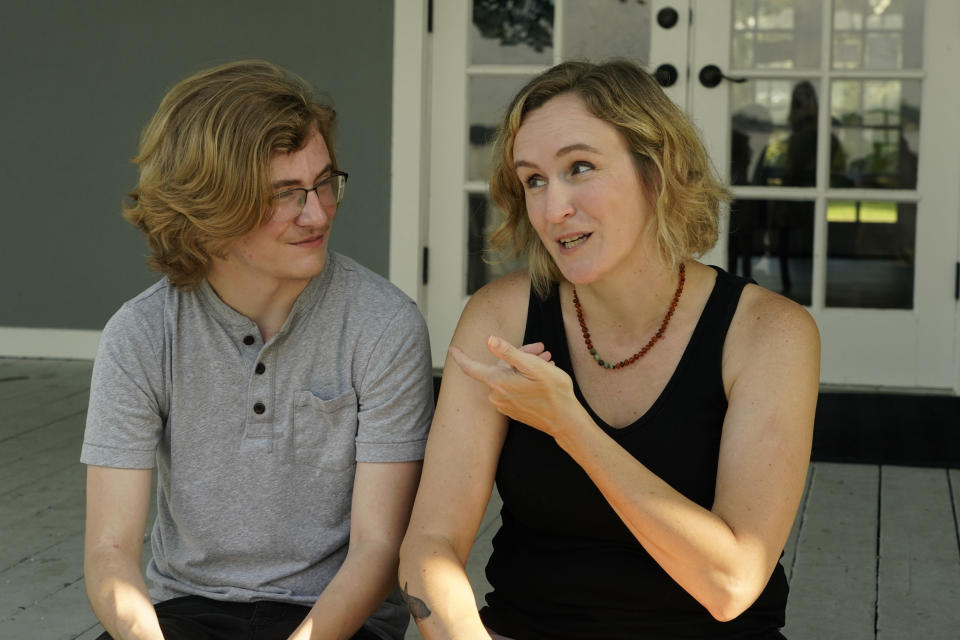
column 583, row 193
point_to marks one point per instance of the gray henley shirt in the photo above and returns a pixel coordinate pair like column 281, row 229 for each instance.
column 256, row 444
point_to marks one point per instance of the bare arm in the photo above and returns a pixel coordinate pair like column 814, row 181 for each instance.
column 117, row 504
column 462, row 451
column 724, row 556
column 382, row 496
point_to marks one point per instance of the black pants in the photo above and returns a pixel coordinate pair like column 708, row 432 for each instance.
column 196, row 618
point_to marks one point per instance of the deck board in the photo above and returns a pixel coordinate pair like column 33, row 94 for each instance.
column 832, row 590
column 919, row 575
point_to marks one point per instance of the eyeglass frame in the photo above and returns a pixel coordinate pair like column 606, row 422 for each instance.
column 338, row 197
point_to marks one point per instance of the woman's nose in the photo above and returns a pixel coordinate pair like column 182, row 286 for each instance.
column 559, row 203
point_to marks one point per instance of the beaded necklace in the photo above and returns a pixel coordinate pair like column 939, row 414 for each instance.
column 643, row 351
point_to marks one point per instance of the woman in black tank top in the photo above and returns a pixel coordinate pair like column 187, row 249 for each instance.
column 650, row 440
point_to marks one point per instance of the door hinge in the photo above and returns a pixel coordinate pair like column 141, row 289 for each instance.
column 429, row 16
column 426, row 264
column 956, row 284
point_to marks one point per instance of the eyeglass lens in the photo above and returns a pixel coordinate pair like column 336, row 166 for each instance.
column 329, row 192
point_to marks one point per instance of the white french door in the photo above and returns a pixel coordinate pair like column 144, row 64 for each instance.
column 835, row 123
column 848, row 203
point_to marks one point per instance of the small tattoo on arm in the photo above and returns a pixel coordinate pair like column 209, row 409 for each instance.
column 418, row 608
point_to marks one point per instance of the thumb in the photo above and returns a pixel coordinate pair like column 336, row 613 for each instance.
column 509, row 354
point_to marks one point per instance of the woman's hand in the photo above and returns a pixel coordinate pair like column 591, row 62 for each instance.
column 525, row 385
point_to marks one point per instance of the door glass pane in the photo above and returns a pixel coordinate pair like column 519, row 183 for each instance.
column 487, row 101
column 774, row 133
column 599, row 29
column 877, row 126
column 771, row 241
column 512, row 32
column 776, row 34
column 483, row 264
column 877, row 34
column 870, row 254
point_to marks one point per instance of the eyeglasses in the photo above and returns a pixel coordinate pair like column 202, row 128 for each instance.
column 290, row 203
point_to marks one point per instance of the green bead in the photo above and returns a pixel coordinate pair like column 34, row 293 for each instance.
column 593, row 352
column 596, row 356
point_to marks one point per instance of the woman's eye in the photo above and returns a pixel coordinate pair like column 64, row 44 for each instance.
column 534, row 181
column 581, row 167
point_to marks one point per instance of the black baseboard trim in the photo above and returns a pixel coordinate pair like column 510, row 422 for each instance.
column 881, row 428
column 878, row 428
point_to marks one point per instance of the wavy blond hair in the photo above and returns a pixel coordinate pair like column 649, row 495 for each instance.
column 204, row 161
column 673, row 165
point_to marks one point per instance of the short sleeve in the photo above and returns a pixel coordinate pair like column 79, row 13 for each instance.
column 396, row 393
column 125, row 415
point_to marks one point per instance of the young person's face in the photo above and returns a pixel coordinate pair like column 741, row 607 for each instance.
column 286, row 250
column 584, row 195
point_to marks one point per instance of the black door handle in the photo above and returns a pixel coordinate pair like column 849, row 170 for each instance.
column 666, row 75
column 710, row 76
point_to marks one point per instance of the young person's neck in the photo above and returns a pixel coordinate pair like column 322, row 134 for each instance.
column 267, row 303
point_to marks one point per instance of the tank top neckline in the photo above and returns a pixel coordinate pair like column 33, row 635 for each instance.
column 654, row 408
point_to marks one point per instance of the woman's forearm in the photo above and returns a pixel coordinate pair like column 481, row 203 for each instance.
column 697, row 547
column 436, row 589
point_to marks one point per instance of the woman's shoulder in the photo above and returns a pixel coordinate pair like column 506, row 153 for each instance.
column 769, row 325
column 498, row 308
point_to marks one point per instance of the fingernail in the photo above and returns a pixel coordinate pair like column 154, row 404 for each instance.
column 494, row 342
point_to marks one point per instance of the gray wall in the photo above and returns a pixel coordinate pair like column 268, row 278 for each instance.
column 82, row 78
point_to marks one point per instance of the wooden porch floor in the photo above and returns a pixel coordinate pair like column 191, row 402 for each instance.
column 874, row 553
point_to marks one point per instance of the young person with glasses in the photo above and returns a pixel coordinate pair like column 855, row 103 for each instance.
column 282, row 391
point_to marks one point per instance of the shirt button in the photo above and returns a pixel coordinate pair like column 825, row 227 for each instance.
column 248, row 340
column 259, row 408
column 260, row 368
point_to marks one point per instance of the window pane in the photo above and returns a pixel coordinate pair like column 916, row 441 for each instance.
column 776, row 34
column 512, row 32
column 877, row 34
column 876, row 128
column 599, row 29
column 774, row 133
column 771, row 241
column 483, row 264
column 870, row 254
column 488, row 99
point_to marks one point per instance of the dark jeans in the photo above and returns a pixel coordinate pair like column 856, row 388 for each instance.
column 196, row 618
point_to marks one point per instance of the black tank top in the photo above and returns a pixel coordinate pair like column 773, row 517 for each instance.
column 563, row 564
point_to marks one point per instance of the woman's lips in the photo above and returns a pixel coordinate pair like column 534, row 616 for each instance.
column 572, row 241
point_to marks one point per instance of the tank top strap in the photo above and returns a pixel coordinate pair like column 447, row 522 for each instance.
column 544, row 322
column 717, row 315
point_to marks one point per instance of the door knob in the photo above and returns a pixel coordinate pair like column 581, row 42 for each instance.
column 666, row 75
column 710, row 76
column 667, row 17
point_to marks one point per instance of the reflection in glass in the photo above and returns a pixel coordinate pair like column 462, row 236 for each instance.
column 877, row 34
column 599, row 29
column 512, row 32
column 878, row 125
column 776, row 34
column 870, row 254
column 774, row 134
column 483, row 264
column 771, row 241
column 488, row 99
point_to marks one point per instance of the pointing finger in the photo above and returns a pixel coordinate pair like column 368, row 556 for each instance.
column 476, row 370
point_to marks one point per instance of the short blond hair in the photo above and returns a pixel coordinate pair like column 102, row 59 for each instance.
column 205, row 156
column 671, row 161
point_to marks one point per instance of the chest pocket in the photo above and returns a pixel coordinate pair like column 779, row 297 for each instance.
column 325, row 431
